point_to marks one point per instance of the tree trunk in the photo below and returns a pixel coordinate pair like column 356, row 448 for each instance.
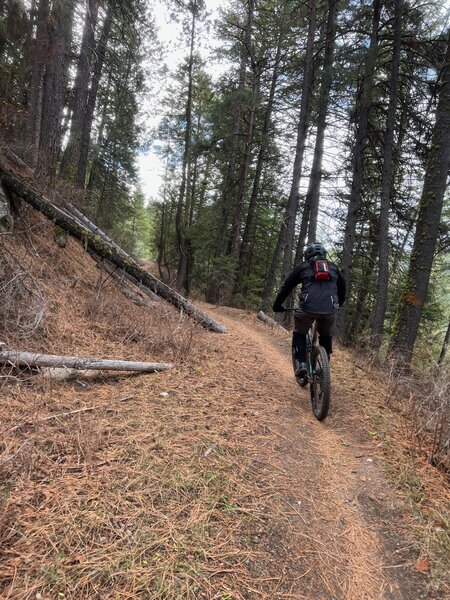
column 269, row 285
column 306, row 215
column 261, row 316
column 81, row 91
column 427, row 230
column 445, row 346
column 28, row 359
column 55, row 81
column 249, row 230
column 360, row 316
column 214, row 291
column 313, row 194
column 34, row 115
column 239, row 204
column 386, row 184
column 180, row 221
column 161, row 248
column 92, row 97
column 285, row 244
column 95, row 243
column 288, row 224
column 363, row 106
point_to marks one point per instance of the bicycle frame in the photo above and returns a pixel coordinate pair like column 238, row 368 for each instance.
column 318, row 373
column 312, row 337
column 311, row 341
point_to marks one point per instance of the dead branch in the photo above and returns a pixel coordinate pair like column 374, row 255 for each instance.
column 13, row 456
column 126, row 282
column 62, row 415
column 29, row 359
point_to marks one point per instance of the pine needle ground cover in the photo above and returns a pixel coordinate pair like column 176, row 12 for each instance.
column 209, row 481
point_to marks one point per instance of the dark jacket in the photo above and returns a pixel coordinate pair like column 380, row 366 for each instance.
column 316, row 297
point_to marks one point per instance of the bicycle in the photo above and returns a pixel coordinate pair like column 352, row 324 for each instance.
column 318, row 374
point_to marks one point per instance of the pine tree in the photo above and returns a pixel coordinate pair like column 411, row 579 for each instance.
column 430, row 210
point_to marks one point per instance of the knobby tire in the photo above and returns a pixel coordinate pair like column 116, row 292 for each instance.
column 320, row 385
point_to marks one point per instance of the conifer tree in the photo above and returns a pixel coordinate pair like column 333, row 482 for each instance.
column 427, row 229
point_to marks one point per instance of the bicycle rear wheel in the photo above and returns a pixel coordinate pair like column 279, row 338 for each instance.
column 320, row 383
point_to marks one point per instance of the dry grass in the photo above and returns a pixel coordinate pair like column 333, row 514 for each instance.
column 409, row 421
column 116, row 501
column 153, row 497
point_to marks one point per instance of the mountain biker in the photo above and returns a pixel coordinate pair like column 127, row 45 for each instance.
column 322, row 293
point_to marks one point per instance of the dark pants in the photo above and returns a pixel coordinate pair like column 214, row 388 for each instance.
column 303, row 322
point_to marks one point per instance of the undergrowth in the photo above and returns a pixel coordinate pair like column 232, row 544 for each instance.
column 414, row 432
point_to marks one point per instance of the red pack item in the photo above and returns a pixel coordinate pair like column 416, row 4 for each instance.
column 321, row 270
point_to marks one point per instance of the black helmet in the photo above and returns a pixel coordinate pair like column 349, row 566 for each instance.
column 315, row 249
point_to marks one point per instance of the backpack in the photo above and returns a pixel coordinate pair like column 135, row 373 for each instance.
column 321, row 270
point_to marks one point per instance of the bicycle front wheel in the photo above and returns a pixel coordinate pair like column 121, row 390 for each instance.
column 320, row 383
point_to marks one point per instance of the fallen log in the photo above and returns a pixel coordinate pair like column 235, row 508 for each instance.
column 92, row 227
column 143, row 288
column 124, row 278
column 95, row 242
column 81, row 218
column 124, row 283
column 30, row 359
column 18, row 162
column 266, row 319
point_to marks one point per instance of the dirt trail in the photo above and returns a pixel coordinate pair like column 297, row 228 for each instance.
column 347, row 521
column 209, row 482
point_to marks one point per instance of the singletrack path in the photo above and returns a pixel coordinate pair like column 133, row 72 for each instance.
column 345, row 520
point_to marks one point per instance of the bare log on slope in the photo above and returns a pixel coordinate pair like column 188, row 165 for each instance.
column 30, row 359
column 94, row 242
column 81, row 218
column 143, row 288
column 266, row 319
column 124, row 279
column 93, row 227
column 125, row 284
column 119, row 273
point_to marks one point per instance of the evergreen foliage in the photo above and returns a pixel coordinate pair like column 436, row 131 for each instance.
column 233, row 214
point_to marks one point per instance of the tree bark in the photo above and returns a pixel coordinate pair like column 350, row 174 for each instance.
column 54, row 89
column 444, row 346
column 313, row 194
column 363, row 106
column 95, row 243
column 427, row 230
column 81, row 91
column 288, row 224
column 386, row 184
column 92, row 97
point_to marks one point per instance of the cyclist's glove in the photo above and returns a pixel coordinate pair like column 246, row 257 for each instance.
column 278, row 308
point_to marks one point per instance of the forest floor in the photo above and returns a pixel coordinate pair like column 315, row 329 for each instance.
column 212, row 480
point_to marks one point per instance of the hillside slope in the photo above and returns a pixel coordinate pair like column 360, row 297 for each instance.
column 210, row 481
